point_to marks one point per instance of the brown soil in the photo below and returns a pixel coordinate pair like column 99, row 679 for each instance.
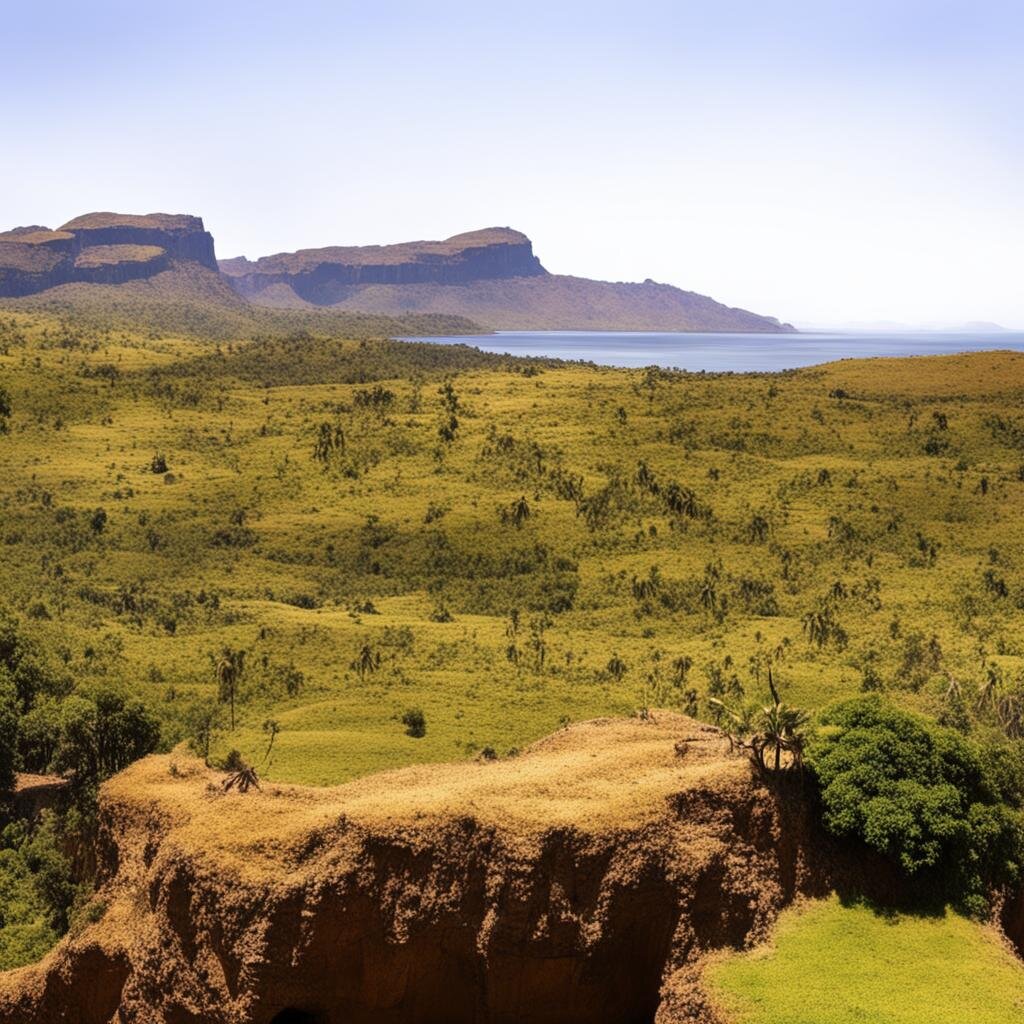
column 580, row 883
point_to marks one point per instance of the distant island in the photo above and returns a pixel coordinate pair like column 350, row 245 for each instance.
column 491, row 277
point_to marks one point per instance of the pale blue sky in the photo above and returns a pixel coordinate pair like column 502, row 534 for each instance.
column 824, row 162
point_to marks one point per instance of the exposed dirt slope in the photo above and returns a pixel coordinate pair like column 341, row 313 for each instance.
column 579, row 883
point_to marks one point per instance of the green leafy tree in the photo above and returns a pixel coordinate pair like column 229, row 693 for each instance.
column 102, row 733
column 920, row 794
column 8, row 736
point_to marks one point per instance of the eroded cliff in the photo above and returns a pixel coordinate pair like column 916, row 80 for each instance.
column 490, row 276
column 100, row 248
column 580, row 883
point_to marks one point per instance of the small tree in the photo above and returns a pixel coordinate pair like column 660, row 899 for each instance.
column 329, row 441
column 229, row 670
column 415, row 723
column 366, row 662
column 519, row 512
column 616, row 667
column 8, row 736
column 203, row 722
column 781, row 730
column 680, row 669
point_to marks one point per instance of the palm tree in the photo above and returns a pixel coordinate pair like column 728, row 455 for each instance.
column 1011, row 715
column 819, row 625
column 366, row 661
column 229, row 671
column 681, row 501
column 520, row 511
column 988, row 695
column 781, row 727
column 645, row 478
column 680, row 669
column 708, row 595
column 757, row 528
column 616, row 667
column 512, row 629
column 271, row 727
column 328, row 441
column 739, row 723
column 954, row 692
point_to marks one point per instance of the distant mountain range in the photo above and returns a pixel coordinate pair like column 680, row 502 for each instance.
column 491, row 277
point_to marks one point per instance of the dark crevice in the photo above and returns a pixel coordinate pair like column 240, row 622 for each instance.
column 292, row 1016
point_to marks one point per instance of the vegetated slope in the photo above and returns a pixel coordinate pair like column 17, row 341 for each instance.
column 552, row 302
column 188, row 299
column 875, row 499
column 830, row 963
column 490, row 276
column 581, row 882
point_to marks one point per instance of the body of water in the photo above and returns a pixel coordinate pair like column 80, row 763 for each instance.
column 740, row 353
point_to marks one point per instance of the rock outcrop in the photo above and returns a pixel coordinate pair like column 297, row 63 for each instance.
column 583, row 882
column 322, row 276
column 100, row 248
column 489, row 276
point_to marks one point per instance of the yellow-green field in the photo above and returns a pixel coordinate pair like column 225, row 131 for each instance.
column 883, row 497
column 830, row 964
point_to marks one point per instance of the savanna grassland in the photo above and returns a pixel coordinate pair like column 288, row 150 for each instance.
column 361, row 520
column 325, row 558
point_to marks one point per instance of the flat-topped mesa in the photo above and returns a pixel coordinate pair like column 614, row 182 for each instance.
column 491, row 277
column 100, row 248
column 181, row 236
column 320, row 275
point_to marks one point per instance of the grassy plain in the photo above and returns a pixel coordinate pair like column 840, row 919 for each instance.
column 886, row 495
column 834, row 964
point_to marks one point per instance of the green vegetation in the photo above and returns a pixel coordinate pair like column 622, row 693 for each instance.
column 924, row 796
column 834, row 964
column 404, row 553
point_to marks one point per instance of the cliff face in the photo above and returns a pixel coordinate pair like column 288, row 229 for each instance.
column 490, row 276
column 323, row 276
column 100, row 248
column 581, row 883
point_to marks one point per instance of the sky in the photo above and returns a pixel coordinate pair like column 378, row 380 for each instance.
column 824, row 162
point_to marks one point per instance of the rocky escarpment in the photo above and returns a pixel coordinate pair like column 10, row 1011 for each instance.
column 100, row 248
column 489, row 276
column 583, row 882
column 323, row 276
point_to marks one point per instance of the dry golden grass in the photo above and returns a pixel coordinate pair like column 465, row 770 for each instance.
column 597, row 776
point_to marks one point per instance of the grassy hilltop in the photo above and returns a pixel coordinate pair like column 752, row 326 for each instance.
column 372, row 554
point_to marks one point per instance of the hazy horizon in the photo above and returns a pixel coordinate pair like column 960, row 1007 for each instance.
column 801, row 160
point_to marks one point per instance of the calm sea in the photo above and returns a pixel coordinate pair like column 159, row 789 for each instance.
column 736, row 352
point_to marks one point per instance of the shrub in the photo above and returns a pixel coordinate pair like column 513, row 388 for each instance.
column 921, row 795
column 415, row 723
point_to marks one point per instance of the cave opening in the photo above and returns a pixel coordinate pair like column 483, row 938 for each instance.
column 292, row 1016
